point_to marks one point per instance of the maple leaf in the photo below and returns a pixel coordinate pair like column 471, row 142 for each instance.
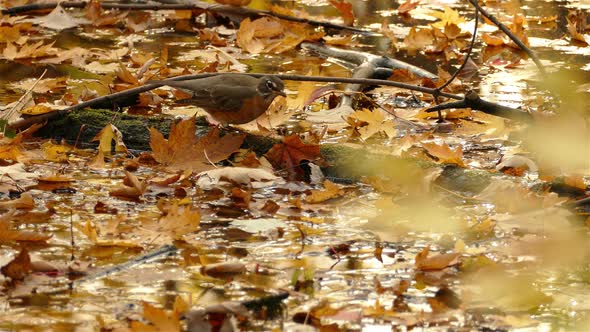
column 345, row 9
column 368, row 123
column 418, row 39
column 444, row 154
column 331, row 191
column 160, row 320
column 19, row 267
column 106, row 136
column 289, row 155
column 449, row 16
column 183, row 150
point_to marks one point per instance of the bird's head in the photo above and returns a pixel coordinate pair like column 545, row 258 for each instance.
column 270, row 87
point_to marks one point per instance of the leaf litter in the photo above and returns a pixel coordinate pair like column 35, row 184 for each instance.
column 419, row 252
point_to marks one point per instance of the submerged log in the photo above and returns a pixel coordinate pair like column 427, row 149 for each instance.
column 346, row 163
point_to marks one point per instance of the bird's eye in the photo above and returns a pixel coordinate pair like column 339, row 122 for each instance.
column 270, row 84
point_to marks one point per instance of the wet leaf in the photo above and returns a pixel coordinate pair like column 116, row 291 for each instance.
column 444, row 154
column 108, row 135
column 436, row 262
column 345, row 9
column 289, row 155
column 183, row 150
column 19, row 267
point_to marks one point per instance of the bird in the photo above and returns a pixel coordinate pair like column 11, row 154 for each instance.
column 230, row 98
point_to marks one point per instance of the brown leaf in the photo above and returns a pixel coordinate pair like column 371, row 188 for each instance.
column 25, row 201
column 237, row 3
column 289, row 155
column 223, row 270
column 436, row 262
column 345, row 9
column 183, row 150
column 271, row 35
column 407, row 6
column 19, row 267
column 132, row 187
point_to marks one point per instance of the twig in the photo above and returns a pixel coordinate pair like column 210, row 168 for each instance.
column 467, row 56
column 23, row 123
column 221, row 9
column 17, row 107
column 509, row 33
column 473, row 101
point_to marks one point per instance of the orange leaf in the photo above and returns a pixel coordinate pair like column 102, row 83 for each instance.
column 331, row 191
column 345, row 9
column 8, row 235
column 183, row 150
column 291, row 153
column 444, row 154
column 405, row 7
column 19, row 267
column 491, row 40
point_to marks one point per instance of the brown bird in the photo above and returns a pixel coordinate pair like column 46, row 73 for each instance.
column 230, row 98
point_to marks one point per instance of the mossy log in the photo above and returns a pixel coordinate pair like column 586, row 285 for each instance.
column 345, row 163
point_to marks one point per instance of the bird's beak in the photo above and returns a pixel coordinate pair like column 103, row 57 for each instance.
column 281, row 93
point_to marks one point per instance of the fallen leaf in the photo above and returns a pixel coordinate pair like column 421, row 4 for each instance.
column 55, row 178
column 436, row 262
column 19, row 267
column 160, row 320
column 289, row 155
column 107, row 135
column 444, row 154
column 407, row 6
column 492, row 40
column 132, row 189
column 417, row 39
column 237, row 3
column 368, row 123
column 345, row 9
column 330, row 191
column 8, row 235
column 449, row 16
column 25, row 201
column 183, row 150
column 223, row 270
column 237, row 175
column 59, row 20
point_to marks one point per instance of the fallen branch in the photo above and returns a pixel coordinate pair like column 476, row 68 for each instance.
column 112, row 98
column 510, row 35
column 473, row 101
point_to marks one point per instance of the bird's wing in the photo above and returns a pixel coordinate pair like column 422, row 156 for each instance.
column 231, row 98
